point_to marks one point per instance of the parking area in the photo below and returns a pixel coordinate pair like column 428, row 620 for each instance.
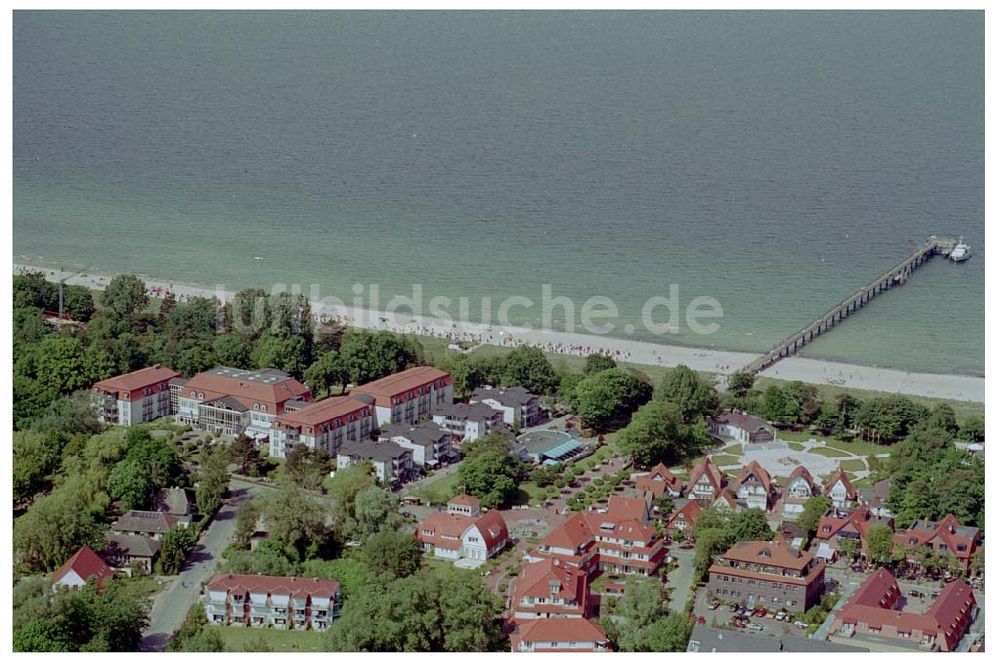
column 739, row 618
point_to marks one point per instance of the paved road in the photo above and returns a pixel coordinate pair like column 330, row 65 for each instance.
column 681, row 578
column 171, row 604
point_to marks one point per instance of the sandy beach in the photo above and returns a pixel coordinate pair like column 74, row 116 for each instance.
column 814, row 371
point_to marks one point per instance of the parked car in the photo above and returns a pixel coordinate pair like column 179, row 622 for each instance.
column 753, row 626
column 914, row 593
column 713, row 605
column 782, row 616
column 801, row 625
column 738, row 623
column 701, row 619
column 760, row 612
column 734, row 608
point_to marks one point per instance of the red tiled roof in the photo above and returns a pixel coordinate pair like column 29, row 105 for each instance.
column 716, row 476
column 383, row 390
column 658, row 480
column 727, row 496
column 85, row 563
column 464, row 500
column 292, row 586
column 755, row 471
column 769, row 553
column 535, row 580
column 945, row 531
column 447, row 529
column 550, row 630
column 620, row 506
column 841, row 475
column 874, row 604
column 323, row 411
column 245, row 390
column 583, row 526
column 690, row 512
column 803, row 472
column 861, row 519
column 139, row 379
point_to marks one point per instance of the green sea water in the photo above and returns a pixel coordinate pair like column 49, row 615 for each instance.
column 772, row 161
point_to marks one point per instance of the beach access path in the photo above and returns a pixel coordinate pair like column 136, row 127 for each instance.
column 722, row 362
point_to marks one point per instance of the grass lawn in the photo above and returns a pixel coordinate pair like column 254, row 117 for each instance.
column 734, row 450
column 725, row 459
column 444, row 487
column 854, row 465
column 795, row 446
column 280, row 640
column 856, row 446
column 824, row 451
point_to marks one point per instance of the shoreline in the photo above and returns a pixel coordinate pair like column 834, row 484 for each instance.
column 813, row 371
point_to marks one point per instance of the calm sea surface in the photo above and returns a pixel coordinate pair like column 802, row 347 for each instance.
column 773, row 161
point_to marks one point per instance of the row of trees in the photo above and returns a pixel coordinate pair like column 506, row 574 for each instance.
column 129, row 331
column 883, row 420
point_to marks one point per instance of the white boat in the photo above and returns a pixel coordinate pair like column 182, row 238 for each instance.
column 258, row 258
column 961, row 252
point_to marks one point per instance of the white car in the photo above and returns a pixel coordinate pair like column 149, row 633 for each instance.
column 801, row 625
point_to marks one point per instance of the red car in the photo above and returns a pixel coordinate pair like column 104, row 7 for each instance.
column 760, row 612
column 701, row 619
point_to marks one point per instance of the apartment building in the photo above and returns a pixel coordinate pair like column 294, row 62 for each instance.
column 279, row 602
column 551, row 588
column 520, row 408
column 468, row 422
column 135, row 397
column 409, row 396
column 230, row 401
column 595, row 541
column 558, row 635
column 391, row 463
column 767, row 573
column 429, row 443
column 876, row 609
column 944, row 536
column 325, row 425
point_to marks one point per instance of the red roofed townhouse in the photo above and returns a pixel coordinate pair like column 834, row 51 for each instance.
column 874, row 608
column 835, row 526
column 230, row 401
column 767, row 573
column 551, row 588
column 659, row 482
column 948, row 535
column 409, row 396
column 461, row 532
column 84, row 565
column 136, row 397
column 683, row 518
column 705, row 481
column 839, row 489
column 635, row 508
column 799, row 489
column 754, row 488
column 558, row 635
column 323, row 425
column 725, row 501
column 595, row 541
column 279, row 602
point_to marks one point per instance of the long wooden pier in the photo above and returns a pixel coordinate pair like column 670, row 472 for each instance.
column 893, row 277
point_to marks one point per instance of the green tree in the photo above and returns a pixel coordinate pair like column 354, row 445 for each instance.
column 392, row 552
column 375, row 509
column 247, row 517
column 491, row 475
column 125, row 296
column 325, row 373
column 657, row 433
column 129, row 483
column 175, row 548
column 878, row 548
column 740, row 383
column 943, row 417
column 213, row 480
column 598, row 363
column 296, row 521
column 973, row 429
column 685, row 388
column 528, row 367
column 54, row 528
column 368, row 355
column 814, row 509
column 609, row 397
column 232, row 349
column 343, row 488
column 779, row 405
column 247, row 456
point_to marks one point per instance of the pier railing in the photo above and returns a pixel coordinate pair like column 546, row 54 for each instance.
column 895, row 276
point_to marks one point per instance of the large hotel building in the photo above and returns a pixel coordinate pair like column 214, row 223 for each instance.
column 135, row 397
column 326, row 425
column 409, row 396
